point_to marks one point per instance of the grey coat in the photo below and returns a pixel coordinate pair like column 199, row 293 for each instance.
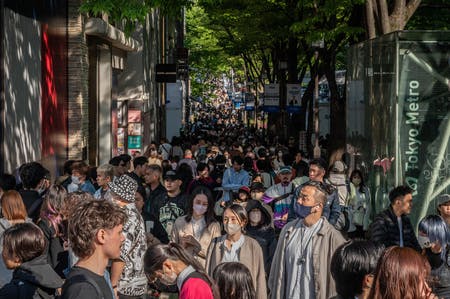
column 324, row 243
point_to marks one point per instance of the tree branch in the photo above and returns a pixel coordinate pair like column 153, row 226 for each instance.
column 370, row 20
column 411, row 8
column 384, row 16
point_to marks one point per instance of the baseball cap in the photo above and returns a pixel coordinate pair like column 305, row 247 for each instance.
column 285, row 169
column 443, row 199
column 257, row 187
column 244, row 189
column 171, row 175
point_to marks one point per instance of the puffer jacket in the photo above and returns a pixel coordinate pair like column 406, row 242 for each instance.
column 384, row 230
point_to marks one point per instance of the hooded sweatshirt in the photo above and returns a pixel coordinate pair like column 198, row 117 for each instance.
column 264, row 233
column 32, row 279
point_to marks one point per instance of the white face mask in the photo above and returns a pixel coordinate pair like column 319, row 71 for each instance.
column 255, row 216
column 200, row 209
column 168, row 279
column 75, row 180
column 232, row 228
column 424, row 241
column 356, row 181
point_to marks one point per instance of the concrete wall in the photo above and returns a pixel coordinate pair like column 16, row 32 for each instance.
column 174, row 109
column 22, row 75
column 104, row 105
column 152, row 99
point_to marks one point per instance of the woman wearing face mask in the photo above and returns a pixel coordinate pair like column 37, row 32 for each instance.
column 79, row 179
column 198, row 227
column 171, row 265
column 260, row 228
column 434, row 239
column 234, row 246
column 360, row 204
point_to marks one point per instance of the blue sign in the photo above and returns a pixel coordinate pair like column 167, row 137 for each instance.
column 271, row 108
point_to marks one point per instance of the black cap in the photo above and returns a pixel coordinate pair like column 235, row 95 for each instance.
column 171, row 175
column 257, row 187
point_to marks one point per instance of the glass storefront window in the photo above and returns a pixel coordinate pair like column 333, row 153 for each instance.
column 398, row 107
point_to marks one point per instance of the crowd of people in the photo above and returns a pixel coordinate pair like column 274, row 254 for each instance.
column 221, row 213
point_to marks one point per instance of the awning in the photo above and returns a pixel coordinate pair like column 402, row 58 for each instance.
column 98, row 27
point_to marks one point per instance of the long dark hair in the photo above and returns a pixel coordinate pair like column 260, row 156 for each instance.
column 362, row 185
column 157, row 254
column 234, row 281
column 209, row 215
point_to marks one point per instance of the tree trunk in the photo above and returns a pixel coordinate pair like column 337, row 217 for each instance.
column 337, row 104
column 378, row 17
column 370, row 20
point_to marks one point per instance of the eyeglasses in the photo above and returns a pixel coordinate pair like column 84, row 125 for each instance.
column 319, row 185
column 303, row 196
column 152, row 278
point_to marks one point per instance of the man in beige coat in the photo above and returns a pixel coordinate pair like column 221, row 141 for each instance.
column 301, row 264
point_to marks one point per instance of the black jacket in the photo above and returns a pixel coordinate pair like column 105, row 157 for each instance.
column 150, row 201
column 33, row 279
column 57, row 257
column 263, row 233
column 440, row 271
column 33, row 203
column 384, row 230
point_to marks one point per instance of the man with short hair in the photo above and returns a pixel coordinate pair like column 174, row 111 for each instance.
column 35, row 181
column 105, row 175
column 234, row 178
column 140, row 166
column 154, row 190
column 171, row 204
column 152, row 179
column 126, row 159
column 127, row 272
column 95, row 234
column 301, row 263
column 332, row 209
column 392, row 226
column 119, row 166
column 280, row 197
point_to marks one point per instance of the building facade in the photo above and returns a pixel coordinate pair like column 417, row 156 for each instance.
column 77, row 87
